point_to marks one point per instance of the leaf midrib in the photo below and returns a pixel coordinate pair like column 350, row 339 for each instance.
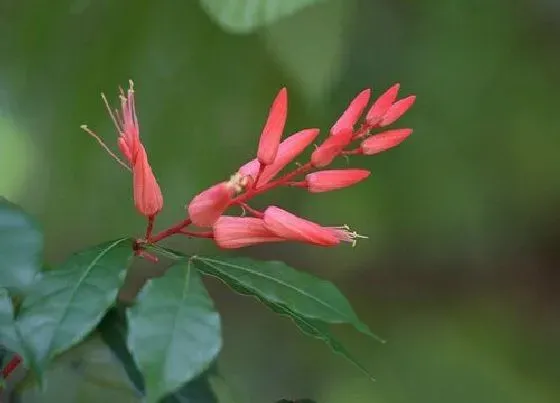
column 205, row 260
column 77, row 286
column 171, row 339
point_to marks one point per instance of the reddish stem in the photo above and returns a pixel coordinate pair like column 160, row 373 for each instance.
column 362, row 131
column 171, row 230
column 11, row 366
column 270, row 185
column 300, row 184
column 208, row 234
column 251, row 210
column 150, row 227
column 147, row 256
column 355, row 151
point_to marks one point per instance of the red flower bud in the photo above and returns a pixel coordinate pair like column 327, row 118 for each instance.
column 331, row 148
column 352, row 113
column 239, row 232
column 288, row 150
column 384, row 141
column 206, row 207
column 147, row 194
column 273, row 129
column 324, row 181
column 397, row 110
column 382, row 105
column 288, row 226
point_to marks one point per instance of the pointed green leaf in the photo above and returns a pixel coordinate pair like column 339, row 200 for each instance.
column 303, row 294
column 243, row 16
column 68, row 302
column 113, row 331
column 321, row 331
column 21, row 247
column 174, row 331
column 311, row 327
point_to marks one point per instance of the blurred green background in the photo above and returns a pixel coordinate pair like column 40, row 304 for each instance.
column 460, row 273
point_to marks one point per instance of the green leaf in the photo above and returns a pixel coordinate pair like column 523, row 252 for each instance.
column 10, row 336
column 68, row 302
column 21, row 247
column 244, row 16
column 174, row 331
column 113, row 331
column 293, row 45
column 301, row 293
column 198, row 390
column 320, row 331
column 311, row 327
column 8, row 331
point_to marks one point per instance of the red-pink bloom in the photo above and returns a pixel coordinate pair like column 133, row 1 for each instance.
column 273, row 129
column 147, row 194
column 239, row 232
column 384, row 141
column 324, row 181
column 397, row 110
column 382, row 105
column 331, row 148
column 206, row 207
column 288, row 226
column 352, row 113
column 289, row 149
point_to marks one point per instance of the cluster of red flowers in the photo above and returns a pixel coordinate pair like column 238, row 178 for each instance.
column 207, row 209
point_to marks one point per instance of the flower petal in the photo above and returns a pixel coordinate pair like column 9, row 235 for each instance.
column 273, row 129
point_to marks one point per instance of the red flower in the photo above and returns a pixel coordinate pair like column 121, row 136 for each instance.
column 384, row 141
column 288, row 150
column 206, row 207
column 324, row 181
column 290, row 227
column 331, row 148
column 352, row 113
column 397, row 110
column 239, row 232
column 147, row 194
column 273, row 129
column 382, row 105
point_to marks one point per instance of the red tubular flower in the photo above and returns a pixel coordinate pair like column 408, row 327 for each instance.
column 384, row 141
column 206, row 207
column 289, row 149
column 352, row 113
column 324, row 181
column 147, row 194
column 239, row 232
column 288, row 226
column 397, row 110
column 273, row 129
column 382, row 105
column 331, row 148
